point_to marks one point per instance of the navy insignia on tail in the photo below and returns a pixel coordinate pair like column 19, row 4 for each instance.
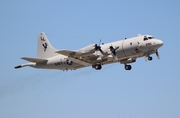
column 45, row 46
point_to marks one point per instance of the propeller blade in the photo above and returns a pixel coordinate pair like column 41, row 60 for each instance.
column 157, row 54
column 101, row 51
column 113, row 51
column 116, row 48
column 98, row 47
column 99, row 42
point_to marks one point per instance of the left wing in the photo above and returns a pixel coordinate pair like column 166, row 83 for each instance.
column 80, row 57
column 74, row 53
column 68, row 52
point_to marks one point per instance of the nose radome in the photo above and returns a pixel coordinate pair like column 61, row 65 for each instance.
column 160, row 43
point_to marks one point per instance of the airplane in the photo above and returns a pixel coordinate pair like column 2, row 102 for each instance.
column 125, row 51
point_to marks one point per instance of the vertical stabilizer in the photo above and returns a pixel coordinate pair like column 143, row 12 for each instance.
column 44, row 48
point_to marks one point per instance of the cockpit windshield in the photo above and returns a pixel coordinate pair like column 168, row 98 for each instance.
column 148, row 37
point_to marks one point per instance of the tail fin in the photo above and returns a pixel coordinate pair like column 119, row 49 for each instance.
column 44, row 48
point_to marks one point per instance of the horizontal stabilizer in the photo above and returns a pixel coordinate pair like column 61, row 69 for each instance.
column 35, row 60
column 68, row 52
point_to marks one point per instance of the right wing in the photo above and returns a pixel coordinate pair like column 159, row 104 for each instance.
column 68, row 52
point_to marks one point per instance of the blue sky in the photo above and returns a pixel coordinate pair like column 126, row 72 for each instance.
column 149, row 90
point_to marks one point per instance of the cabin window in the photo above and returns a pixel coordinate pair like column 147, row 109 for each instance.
column 131, row 43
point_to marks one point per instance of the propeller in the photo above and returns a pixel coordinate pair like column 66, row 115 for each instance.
column 98, row 47
column 113, row 50
column 157, row 54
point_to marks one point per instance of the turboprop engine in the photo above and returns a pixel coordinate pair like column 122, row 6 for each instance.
column 88, row 49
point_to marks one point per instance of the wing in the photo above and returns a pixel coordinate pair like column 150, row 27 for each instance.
column 68, row 52
column 82, row 58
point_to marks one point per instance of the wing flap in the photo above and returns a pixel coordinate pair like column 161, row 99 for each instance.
column 35, row 60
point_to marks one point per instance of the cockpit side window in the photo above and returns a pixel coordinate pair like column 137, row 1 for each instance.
column 145, row 38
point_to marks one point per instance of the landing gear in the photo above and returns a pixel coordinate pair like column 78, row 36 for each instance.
column 150, row 58
column 128, row 67
column 97, row 66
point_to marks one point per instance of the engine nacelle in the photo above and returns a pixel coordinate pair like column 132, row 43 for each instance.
column 88, row 49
